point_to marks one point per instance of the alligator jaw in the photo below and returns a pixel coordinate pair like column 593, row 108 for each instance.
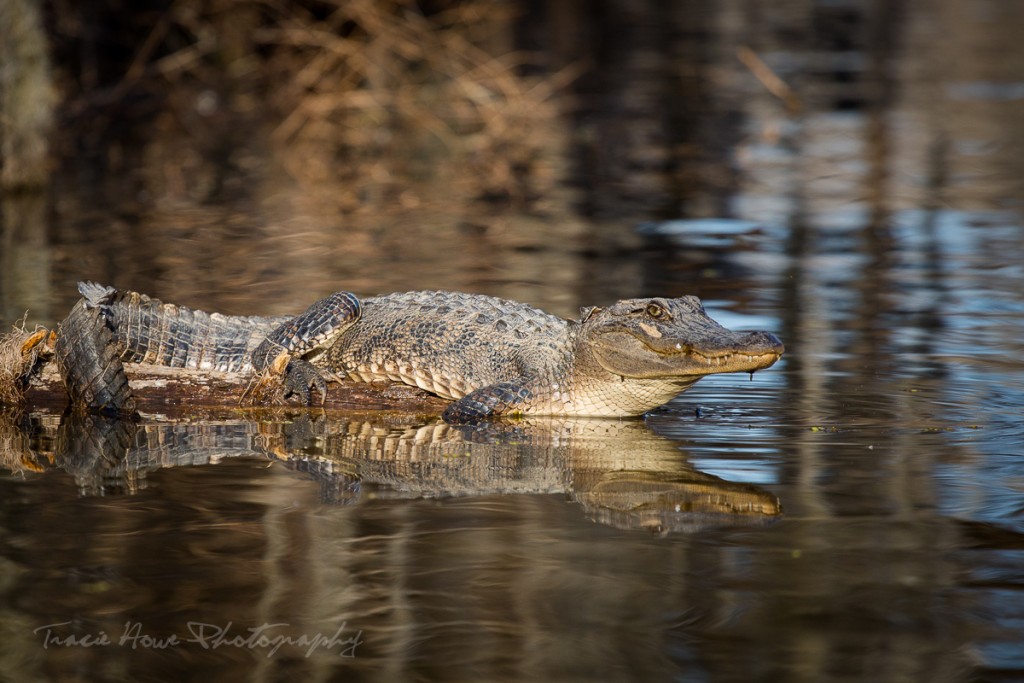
column 644, row 357
column 752, row 351
column 698, row 363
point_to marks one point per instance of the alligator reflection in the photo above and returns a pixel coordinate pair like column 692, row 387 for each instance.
column 622, row 473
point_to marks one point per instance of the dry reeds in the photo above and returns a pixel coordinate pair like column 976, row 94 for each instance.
column 363, row 99
column 394, row 95
column 15, row 364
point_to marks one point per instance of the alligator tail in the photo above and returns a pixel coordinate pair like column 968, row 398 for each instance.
column 89, row 363
column 146, row 330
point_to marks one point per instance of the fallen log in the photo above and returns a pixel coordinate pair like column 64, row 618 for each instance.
column 30, row 379
column 157, row 388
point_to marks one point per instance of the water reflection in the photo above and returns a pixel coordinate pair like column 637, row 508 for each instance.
column 621, row 472
column 442, row 552
column 25, row 258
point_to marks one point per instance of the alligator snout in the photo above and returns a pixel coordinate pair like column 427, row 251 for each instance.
column 761, row 342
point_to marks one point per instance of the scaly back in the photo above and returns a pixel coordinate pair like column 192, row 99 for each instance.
column 450, row 343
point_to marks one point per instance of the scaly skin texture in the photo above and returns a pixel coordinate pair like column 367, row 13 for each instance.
column 501, row 357
column 109, row 327
column 489, row 356
column 147, row 330
column 90, row 365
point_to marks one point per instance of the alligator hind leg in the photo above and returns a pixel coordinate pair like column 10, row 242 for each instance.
column 288, row 348
column 90, row 364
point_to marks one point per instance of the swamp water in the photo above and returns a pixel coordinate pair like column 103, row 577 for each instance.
column 852, row 513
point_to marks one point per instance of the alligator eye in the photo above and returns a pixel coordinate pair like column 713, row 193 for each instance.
column 655, row 311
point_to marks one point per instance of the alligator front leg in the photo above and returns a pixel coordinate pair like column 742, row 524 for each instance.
column 503, row 398
column 286, row 350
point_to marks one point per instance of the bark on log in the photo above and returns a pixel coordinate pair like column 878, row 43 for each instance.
column 162, row 389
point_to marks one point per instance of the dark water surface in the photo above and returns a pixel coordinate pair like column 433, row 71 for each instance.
column 854, row 513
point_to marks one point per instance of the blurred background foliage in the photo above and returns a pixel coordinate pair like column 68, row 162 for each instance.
column 192, row 146
column 376, row 96
column 612, row 108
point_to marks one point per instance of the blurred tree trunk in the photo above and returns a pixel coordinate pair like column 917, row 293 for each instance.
column 26, row 122
column 26, row 95
column 641, row 144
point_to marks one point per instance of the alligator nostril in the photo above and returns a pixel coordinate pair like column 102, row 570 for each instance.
column 765, row 341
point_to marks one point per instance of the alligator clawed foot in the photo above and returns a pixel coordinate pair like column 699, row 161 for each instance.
column 285, row 377
column 300, row 377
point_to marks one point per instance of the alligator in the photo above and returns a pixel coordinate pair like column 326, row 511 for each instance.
column 487, row 355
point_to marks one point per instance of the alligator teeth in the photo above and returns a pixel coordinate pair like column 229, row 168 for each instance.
column 726, row 359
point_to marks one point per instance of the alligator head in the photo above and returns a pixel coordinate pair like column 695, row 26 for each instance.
column 672, row 339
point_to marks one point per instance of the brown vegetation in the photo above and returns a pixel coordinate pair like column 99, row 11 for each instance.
column 328, row 92
column 18, row 354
